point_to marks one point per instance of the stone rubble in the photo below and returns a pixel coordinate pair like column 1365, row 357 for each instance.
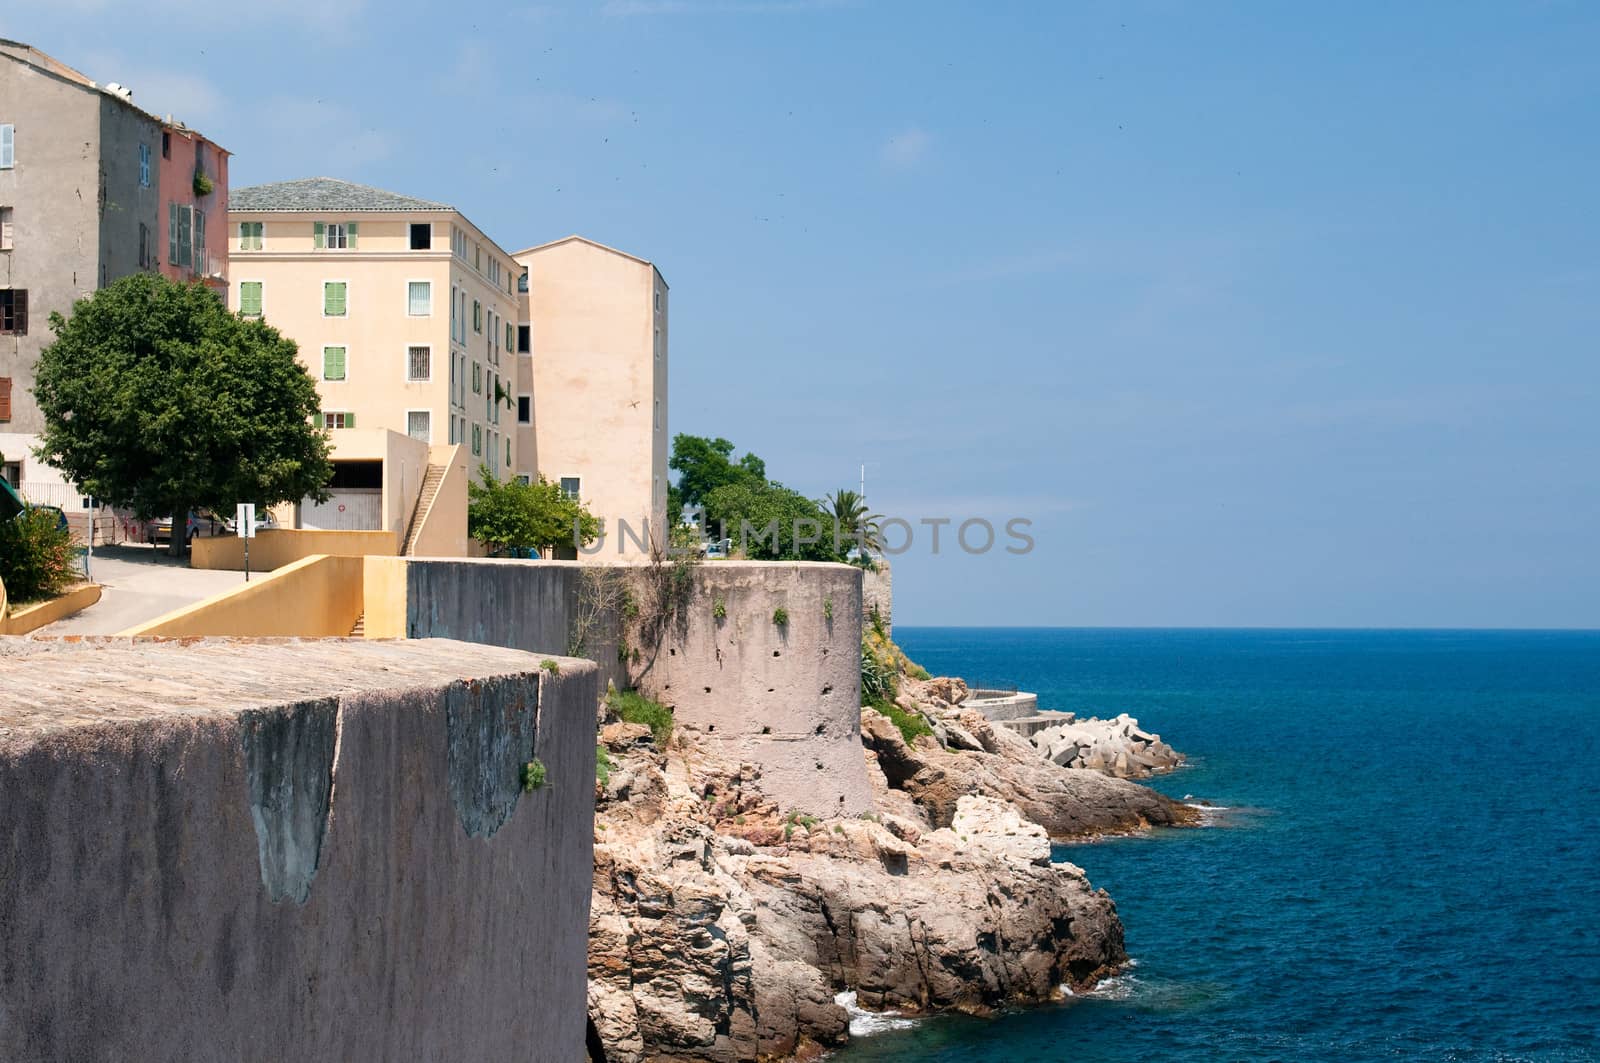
column 1116, row 747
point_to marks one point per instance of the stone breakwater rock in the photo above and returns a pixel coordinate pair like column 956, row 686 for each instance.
column 722, row 929
column 1116, row 747
column 929, row 779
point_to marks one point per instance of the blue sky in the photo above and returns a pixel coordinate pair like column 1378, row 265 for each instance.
column 1262, row 313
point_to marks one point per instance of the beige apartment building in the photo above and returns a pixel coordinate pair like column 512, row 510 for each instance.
column 405, row 314
column 592, row 383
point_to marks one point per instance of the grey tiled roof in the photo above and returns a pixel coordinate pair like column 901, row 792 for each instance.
column 324, row 193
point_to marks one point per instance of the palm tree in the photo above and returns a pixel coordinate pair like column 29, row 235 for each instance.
column 849, row 512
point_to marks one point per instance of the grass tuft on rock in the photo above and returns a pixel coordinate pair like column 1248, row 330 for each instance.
column 630, row 706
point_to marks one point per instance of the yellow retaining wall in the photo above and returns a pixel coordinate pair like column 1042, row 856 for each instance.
column 26, row 618
column 315, row 597
column 273, row 548
column 384, row 595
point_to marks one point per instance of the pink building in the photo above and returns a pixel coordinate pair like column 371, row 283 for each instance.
column 193, row 182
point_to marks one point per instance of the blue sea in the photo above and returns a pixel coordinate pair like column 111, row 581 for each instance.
column 1408, row 866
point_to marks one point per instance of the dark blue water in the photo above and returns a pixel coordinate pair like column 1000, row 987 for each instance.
column 1412, row 869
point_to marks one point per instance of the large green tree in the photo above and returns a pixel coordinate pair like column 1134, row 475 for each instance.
column 511, row 517
column 704, row 464
column 157, row 399
column 769, row 521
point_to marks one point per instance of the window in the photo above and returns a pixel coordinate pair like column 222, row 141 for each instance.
column 250, row 233
column 419, row 425
column 524, row 410
column 658, row 300
column 166, row 145
column 511, row 337
column 524, row 479
column 477, row 439
column 180, row 235
column 419, row 363
column 477, row 317
column 658, row 415
column 8, row 146
column 335, row 301
column 522, row 282
column 419, row 298
column 338, row 419
column 144, row 165
column 5, row 406
column 333, row 235
column 452, row 429
column 477, row 379
column 452, row 313
column 199, row 240
column 570, row 486
column 477, row 257
column 144, row 246
column 508, row 453
column 524, row 339
column 250, row 298
column 7, row 234
column 333, row 363
column 421, row 236
column 14, row 311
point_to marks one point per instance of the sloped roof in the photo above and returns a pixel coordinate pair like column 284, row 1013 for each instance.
column 325, row 193
column 583, row 240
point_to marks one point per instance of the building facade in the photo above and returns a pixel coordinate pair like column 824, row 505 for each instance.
column 83, row 194
column 592, row 383
column 404, row 312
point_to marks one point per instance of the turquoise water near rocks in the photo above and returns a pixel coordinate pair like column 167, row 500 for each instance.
column 1409, row 867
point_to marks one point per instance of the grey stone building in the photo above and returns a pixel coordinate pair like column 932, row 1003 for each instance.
column 79, row 207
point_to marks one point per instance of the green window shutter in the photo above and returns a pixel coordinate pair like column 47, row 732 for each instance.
column 250, row 298
column 333, row 298
column 350, row 235
column 172, row 234
column 333, row 363
column 318, row 234
column 349, row 420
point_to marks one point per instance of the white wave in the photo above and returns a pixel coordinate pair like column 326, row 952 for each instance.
column 865, row 1023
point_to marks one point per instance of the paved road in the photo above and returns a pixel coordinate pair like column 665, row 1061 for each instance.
column 141, row 583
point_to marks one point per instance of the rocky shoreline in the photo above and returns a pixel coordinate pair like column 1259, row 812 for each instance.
column 724, row 927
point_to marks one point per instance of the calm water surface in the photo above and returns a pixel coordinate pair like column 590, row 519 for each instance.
column 1410, row 867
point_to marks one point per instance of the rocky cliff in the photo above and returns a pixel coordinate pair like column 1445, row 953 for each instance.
column 723, row 926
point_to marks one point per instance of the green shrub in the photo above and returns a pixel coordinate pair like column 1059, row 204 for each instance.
column 37, row 556
column 827, row 608
column 533, row 775
column 553, row 667
column 877, row 677
column 602, row 765
column 910, row 724
column 916, row 671
column 780, row 616
column 631, row 706
column 719, row 609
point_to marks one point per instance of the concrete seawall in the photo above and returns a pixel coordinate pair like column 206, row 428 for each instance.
column 285, row 849
column 739, row 677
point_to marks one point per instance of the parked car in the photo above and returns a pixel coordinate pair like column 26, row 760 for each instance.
column 202, row 523
column 13, row 505
column 264, row 521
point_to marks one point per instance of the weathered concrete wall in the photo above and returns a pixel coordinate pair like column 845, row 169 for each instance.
column 292, row 850
column 877, row 592
column 787, row 696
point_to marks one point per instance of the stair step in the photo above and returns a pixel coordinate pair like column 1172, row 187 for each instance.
column 359, row 630
column 425, row 497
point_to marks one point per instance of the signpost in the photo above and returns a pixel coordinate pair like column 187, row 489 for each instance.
column 244, row 524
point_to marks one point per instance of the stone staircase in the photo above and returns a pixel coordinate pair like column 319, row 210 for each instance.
column 359, row 629
column 425, row 497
